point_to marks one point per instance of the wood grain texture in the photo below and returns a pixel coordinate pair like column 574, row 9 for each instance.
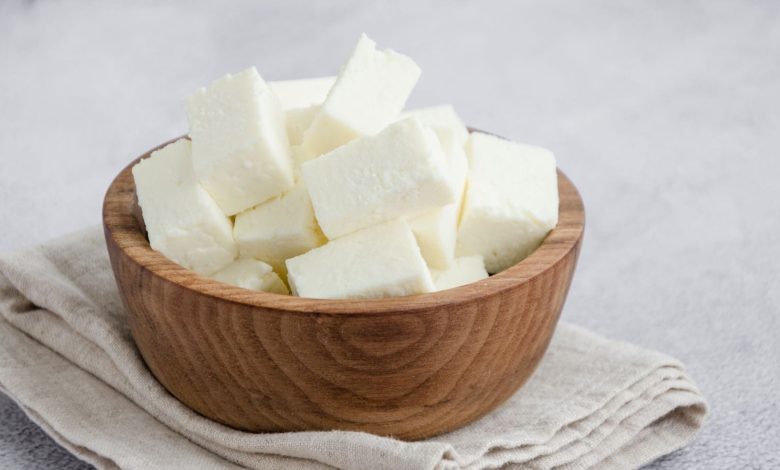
column 409, row 367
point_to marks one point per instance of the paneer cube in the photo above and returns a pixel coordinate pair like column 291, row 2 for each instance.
column 436, row 233
column 240, row 149
column 380, row 261
column 278, row 229
column 182, row 220
column 300, row 101
column 436, row 230
column 301, row 93
column 511, row 202
column 368, row 94
column 297, row 121
column 252, row 274
column 400, row 172
column 443, row 120
column 464, row 270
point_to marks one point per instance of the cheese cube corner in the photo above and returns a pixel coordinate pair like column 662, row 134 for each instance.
column 278, row 229
column 296, row 122
column 380, row 261
column 240, row 149
column 436, row 231
column 464, row 270
column 443, row 120
column 301, row 100
column 301, row 93
column 400, row 172
column 252, row 274
column 511, row 201
column 182, row 220
column 369, row 93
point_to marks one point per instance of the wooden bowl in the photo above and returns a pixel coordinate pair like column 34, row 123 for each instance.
column 410, row 367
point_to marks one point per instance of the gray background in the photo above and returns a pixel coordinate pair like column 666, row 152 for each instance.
column 665, row 114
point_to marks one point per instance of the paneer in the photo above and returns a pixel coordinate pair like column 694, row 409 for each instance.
column 464, row 270
column 301, row 93
column 182, row 220
column 297, row 121
column 511, row 202
column 278, row 229
column 252, row 274
column 380, row 261
column 300, row 101
column 436, row 230
column 443, row 120
column 400, row 172
column 368, row 94
column 299, row 158
column 436, row 233
column 240, row 149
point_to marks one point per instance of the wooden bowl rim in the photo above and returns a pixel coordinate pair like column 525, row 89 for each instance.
column 121, row 226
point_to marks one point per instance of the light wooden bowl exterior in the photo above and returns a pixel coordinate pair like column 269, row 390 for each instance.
column 409, row 367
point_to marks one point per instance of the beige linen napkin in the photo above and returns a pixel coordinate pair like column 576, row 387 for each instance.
column 67, row 358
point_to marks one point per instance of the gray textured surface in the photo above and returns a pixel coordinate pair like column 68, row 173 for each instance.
column 665, row 114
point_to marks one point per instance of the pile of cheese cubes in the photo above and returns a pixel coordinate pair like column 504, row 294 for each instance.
column 328, row 187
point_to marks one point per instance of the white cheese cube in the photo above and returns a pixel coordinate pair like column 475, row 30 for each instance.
column 301, row 100
column 400, row 172
column 278, row 229
column 299, row 158
column 443, row 120
column 369, row 93
column 252, row 274
column 380, row 261
column 183, row 222
column 297, row 121
column 511, row 202
column 464, row 270
column 436, row 231
column 239, row 145
column 301, row 93
column 457, row 161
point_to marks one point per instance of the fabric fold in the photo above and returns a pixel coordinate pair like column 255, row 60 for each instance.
column 68, row 359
